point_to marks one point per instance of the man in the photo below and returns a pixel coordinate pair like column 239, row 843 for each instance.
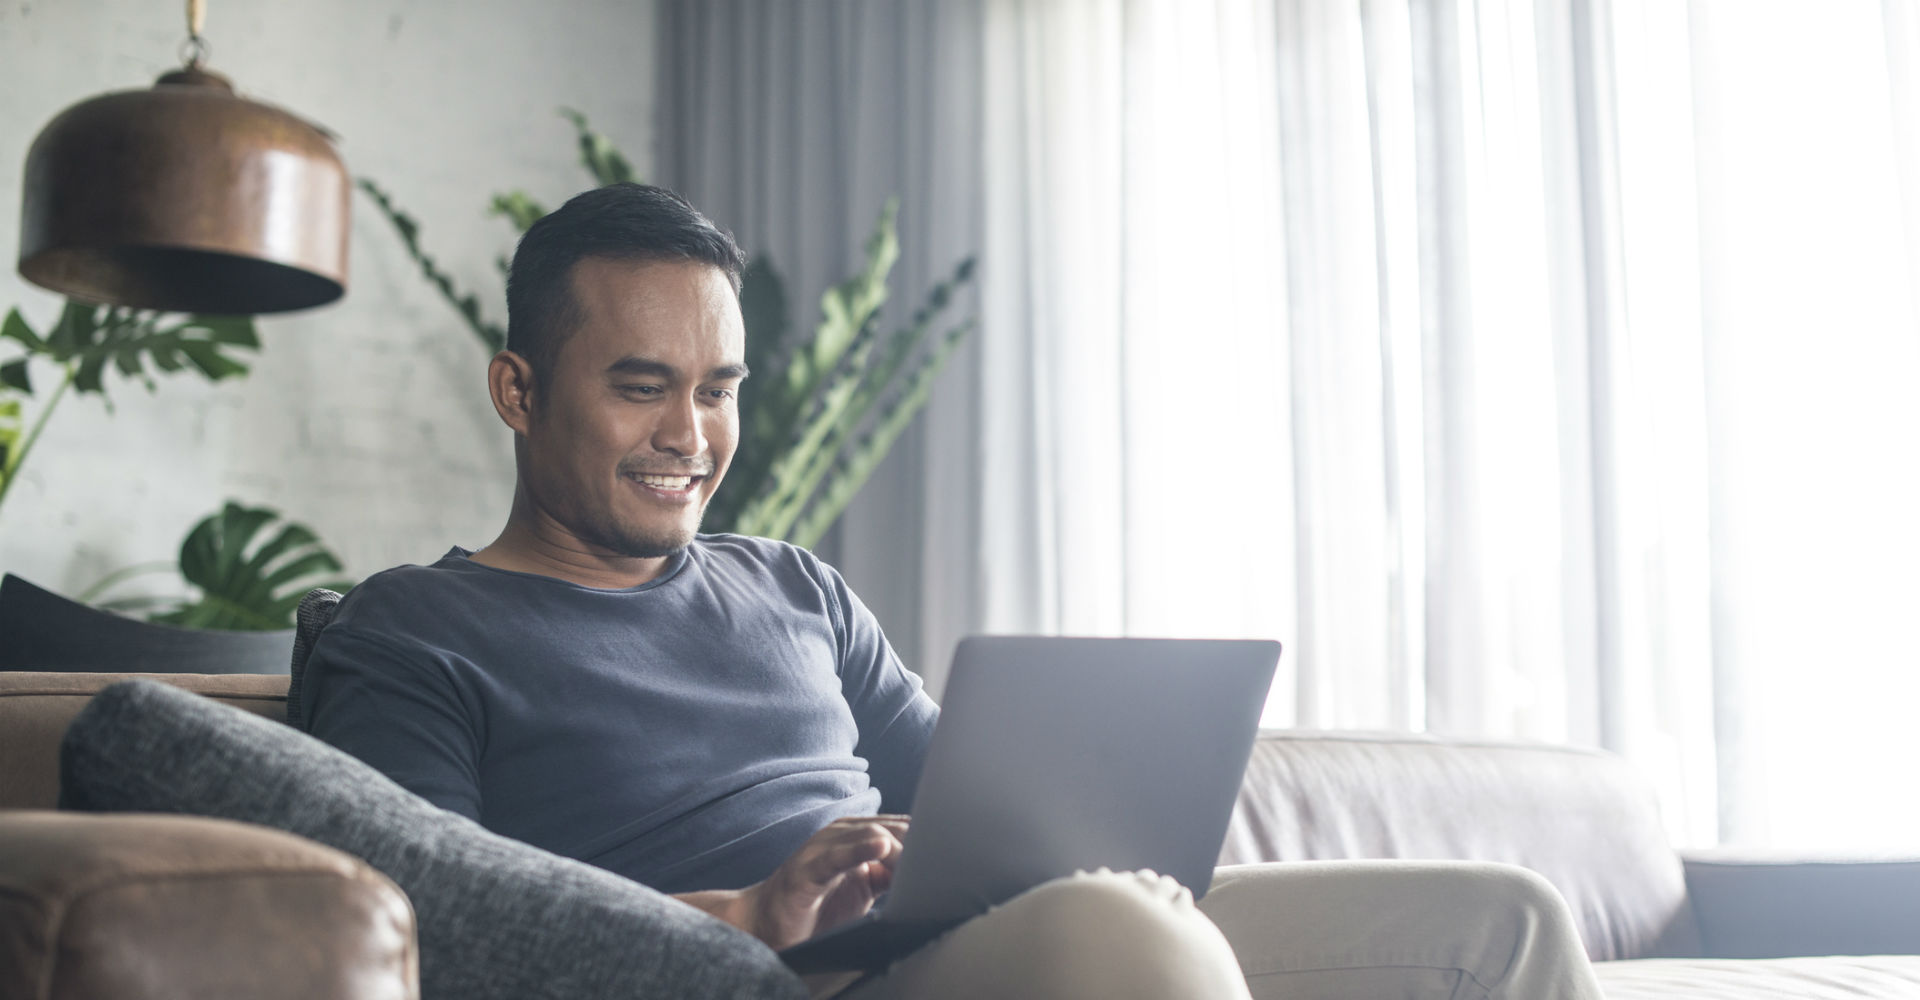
column 719, row 717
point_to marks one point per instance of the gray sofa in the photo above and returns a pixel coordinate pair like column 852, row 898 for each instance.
column 1658, row 923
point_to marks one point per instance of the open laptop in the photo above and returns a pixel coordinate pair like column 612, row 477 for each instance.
column 1055, row 755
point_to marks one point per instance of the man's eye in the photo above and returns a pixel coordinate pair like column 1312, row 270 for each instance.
column 640, row 390
column 722, row 393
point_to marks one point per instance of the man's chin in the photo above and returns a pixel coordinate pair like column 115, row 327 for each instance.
column 653, row 548
column 650, row 545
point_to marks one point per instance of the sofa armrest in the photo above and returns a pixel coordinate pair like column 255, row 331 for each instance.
column 138, row 906
column 1755, row 905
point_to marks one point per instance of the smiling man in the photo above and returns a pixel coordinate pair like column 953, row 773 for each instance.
column 621, row 439
column 719, row 717
column 715, row 716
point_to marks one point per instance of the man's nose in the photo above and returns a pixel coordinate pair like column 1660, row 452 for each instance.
column 679, row 430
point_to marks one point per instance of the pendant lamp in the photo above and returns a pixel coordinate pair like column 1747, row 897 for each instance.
column 185, row 197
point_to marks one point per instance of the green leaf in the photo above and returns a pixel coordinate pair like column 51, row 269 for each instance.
column 87, row 378
column 846, row 307
column 246, row 583
column 12, row 427
column 519, row 208
column 597, row 153
column 209, row 360
column 237, row 331
column 14, row 375
column 859, row 465
column 127, row 359
column 166, row 357
column 73, row 330
column 15, row 328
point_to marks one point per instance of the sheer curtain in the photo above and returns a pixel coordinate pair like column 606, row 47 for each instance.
column 1324, row 308
column 1807, row 196
column 1532, row 368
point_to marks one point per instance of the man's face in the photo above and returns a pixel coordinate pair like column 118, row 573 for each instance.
column 638, row 418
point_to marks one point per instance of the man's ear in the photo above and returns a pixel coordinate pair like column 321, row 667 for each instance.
column 511, row 384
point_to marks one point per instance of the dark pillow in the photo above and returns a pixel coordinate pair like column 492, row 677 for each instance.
column 497, row 918
column 47, row 632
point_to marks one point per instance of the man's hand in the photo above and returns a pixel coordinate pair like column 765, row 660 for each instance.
column 831, row 879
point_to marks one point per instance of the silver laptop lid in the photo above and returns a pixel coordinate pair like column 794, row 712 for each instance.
column 1054, row 755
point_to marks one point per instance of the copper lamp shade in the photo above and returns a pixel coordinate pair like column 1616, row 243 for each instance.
column 188, row 198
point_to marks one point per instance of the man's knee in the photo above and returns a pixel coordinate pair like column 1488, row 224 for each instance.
column 1521, row 895
column 1126, row 934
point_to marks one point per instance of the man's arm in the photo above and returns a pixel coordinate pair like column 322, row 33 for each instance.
column 833, row 878
column 894, row 715
column 401, row 713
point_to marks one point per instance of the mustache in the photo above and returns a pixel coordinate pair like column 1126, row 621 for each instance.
column 666, row 468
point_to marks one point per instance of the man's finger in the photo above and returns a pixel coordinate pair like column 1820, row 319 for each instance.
column 838, row 857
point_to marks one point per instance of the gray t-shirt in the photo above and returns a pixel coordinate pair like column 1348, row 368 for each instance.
column 689, row 733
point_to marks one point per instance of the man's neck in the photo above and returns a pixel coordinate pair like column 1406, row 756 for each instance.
column 525, row 548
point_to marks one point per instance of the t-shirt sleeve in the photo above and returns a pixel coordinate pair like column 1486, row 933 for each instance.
column 397, row 710
column 894, row 715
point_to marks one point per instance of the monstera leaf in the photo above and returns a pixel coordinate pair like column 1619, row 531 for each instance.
column 89, row 338
column 87, row 341
column 247, row 583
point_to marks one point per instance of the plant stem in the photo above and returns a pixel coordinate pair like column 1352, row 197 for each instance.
column 91, row 594
column 15, row 461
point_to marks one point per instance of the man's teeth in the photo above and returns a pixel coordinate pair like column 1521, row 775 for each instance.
column 666, row 482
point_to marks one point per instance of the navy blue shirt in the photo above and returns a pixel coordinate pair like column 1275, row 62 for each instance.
column 689, row 733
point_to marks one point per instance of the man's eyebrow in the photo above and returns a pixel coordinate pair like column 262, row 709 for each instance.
column 634, row 365
column 631, row 365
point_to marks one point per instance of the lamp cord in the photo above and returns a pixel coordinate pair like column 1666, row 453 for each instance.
column 195, row 50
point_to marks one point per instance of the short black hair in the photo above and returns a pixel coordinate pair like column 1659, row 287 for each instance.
column 619, row 222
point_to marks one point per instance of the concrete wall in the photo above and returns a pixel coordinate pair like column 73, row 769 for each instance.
column 367, row 419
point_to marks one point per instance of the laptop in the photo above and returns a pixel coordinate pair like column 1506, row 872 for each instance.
column 1055, row 755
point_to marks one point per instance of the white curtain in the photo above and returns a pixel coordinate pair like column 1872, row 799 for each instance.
column 1532, row 368
column 1807, row 229
column 1315, row 313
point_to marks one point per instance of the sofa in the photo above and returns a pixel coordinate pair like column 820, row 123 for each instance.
column 1659, row 924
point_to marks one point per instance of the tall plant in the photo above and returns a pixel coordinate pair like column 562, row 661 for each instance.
column 825, row 407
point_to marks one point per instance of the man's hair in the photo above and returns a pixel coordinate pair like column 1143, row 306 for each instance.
column 619, row 222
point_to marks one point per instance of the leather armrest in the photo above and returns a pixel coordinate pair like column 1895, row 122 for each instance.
column 1753, row 905
column 140, row 906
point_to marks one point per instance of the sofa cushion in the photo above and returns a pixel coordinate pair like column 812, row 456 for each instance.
column 1878, row 977
column 497, row 918
column 1582, row 818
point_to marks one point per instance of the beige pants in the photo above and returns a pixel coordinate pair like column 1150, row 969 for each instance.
column 1335, row 930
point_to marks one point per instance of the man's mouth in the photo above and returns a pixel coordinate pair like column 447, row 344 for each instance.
column 666, row 482
column 667, row 485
